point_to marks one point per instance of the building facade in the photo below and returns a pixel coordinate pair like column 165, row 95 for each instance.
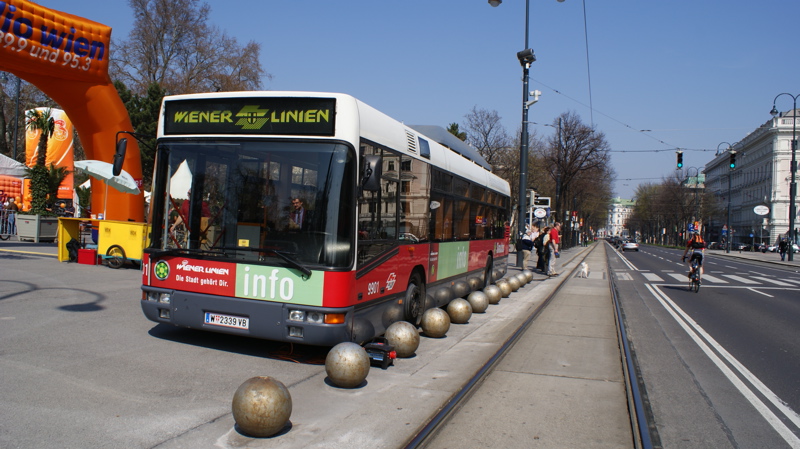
column 618, row 214
column 761, row 178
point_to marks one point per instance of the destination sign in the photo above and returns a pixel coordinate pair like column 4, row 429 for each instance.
column 253, row 115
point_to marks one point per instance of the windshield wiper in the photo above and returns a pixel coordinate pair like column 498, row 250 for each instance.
column 283, row 255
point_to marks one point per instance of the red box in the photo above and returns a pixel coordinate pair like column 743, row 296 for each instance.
column 87, row 256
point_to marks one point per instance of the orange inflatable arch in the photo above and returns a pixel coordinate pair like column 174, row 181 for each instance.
column 66, row 56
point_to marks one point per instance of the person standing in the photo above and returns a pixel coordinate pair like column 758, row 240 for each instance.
column 542, row 250
column 299, row 217
column 782, row 247
column 527, row 246
column 554, row 244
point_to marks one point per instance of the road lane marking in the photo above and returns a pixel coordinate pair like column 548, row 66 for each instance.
column 756, row 291
column 708, row 277
column 741, row 279
column 695, row 332
column 680, row 276
column 773, row 281
column 652, row 277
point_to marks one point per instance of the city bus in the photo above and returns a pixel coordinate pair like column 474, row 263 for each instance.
column 313, row 218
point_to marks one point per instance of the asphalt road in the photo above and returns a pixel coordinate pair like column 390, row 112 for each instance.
column 81, row 366
column 720, row 366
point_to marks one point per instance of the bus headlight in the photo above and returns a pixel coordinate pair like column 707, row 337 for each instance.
column 163, row 298
column 297, row 315
column 315, row 317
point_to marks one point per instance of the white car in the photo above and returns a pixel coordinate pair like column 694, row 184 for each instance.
column 630, row 245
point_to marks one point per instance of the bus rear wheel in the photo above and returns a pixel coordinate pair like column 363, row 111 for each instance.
column 414, row 300
column 487, row 274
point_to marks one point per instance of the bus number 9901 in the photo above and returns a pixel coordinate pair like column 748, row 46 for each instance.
column 372, row 288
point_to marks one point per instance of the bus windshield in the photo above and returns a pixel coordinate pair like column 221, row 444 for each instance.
column 269, row 202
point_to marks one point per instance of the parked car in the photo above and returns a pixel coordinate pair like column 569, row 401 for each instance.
column 630, row 245
column 714, row 245
column 772, row 248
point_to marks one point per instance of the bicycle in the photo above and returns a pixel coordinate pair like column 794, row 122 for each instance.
column 694, row 276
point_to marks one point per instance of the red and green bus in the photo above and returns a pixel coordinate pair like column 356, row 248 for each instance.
column 313, row 218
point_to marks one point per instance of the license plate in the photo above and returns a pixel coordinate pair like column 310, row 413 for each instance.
column 218, row 319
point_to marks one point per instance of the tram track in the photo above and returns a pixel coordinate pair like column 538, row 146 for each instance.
column 430, row 430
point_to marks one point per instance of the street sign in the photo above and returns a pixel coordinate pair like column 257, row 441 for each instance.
column 539, row 212
column 761, row 210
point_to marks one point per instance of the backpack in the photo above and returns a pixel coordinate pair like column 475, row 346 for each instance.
column 537, row 243
column 72, row 249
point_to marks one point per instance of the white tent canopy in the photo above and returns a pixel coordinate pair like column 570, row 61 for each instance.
column 181, row 182
column 10, row 167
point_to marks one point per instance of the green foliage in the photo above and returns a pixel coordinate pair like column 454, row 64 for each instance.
column 39, row 188
column 44, row 122
column 44, row 186
column 85, row 200
column 454, row 130
column 144, row 113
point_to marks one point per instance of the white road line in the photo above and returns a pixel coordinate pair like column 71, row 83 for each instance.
column 741, row 279
column 796, row 281
column 652, row 277
column 773, row 281
column 693, row 329
column 756, row 291
column 680, row 276
column 708, row 277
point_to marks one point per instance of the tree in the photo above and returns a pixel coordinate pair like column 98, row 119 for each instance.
column 487, row 134
column 144, row 112
column 42, row 122
column 172, row 45
column 576, row 152
column 454, row 130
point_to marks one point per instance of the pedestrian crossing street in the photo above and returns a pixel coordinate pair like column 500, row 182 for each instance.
column 709, row 278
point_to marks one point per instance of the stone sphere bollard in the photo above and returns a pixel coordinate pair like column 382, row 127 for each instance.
column 261, row 406
column 514, row 283
column 460, row 289
column 478, row 301
column 528, row 274
column 404, row 337
column 523, row 279
column 475, row 283
column 494, row 293
column 459, row 310
column 347, row 365
column 505, row 287
column 435, row 323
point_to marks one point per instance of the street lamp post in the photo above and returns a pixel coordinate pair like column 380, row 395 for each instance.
column 793, row 168
column 526, row 58
column 728, row 222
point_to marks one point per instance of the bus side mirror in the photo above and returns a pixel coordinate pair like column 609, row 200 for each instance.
column 119, row 156
column 371, row 174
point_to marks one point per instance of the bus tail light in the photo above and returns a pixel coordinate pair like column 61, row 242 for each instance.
column 334, row 318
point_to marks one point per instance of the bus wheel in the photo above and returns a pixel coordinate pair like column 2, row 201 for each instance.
column 415, row 300
column 115, row 256
column 487, row 274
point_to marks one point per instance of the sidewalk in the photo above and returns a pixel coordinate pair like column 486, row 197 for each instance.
column 768, row 257
column 562, row 384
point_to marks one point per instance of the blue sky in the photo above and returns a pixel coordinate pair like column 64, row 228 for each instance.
column 694, row 73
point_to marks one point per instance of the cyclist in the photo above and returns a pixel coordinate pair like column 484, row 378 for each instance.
column 697, row 246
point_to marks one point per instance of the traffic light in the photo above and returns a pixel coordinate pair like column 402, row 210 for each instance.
column 680, row 159
column 733, row 160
